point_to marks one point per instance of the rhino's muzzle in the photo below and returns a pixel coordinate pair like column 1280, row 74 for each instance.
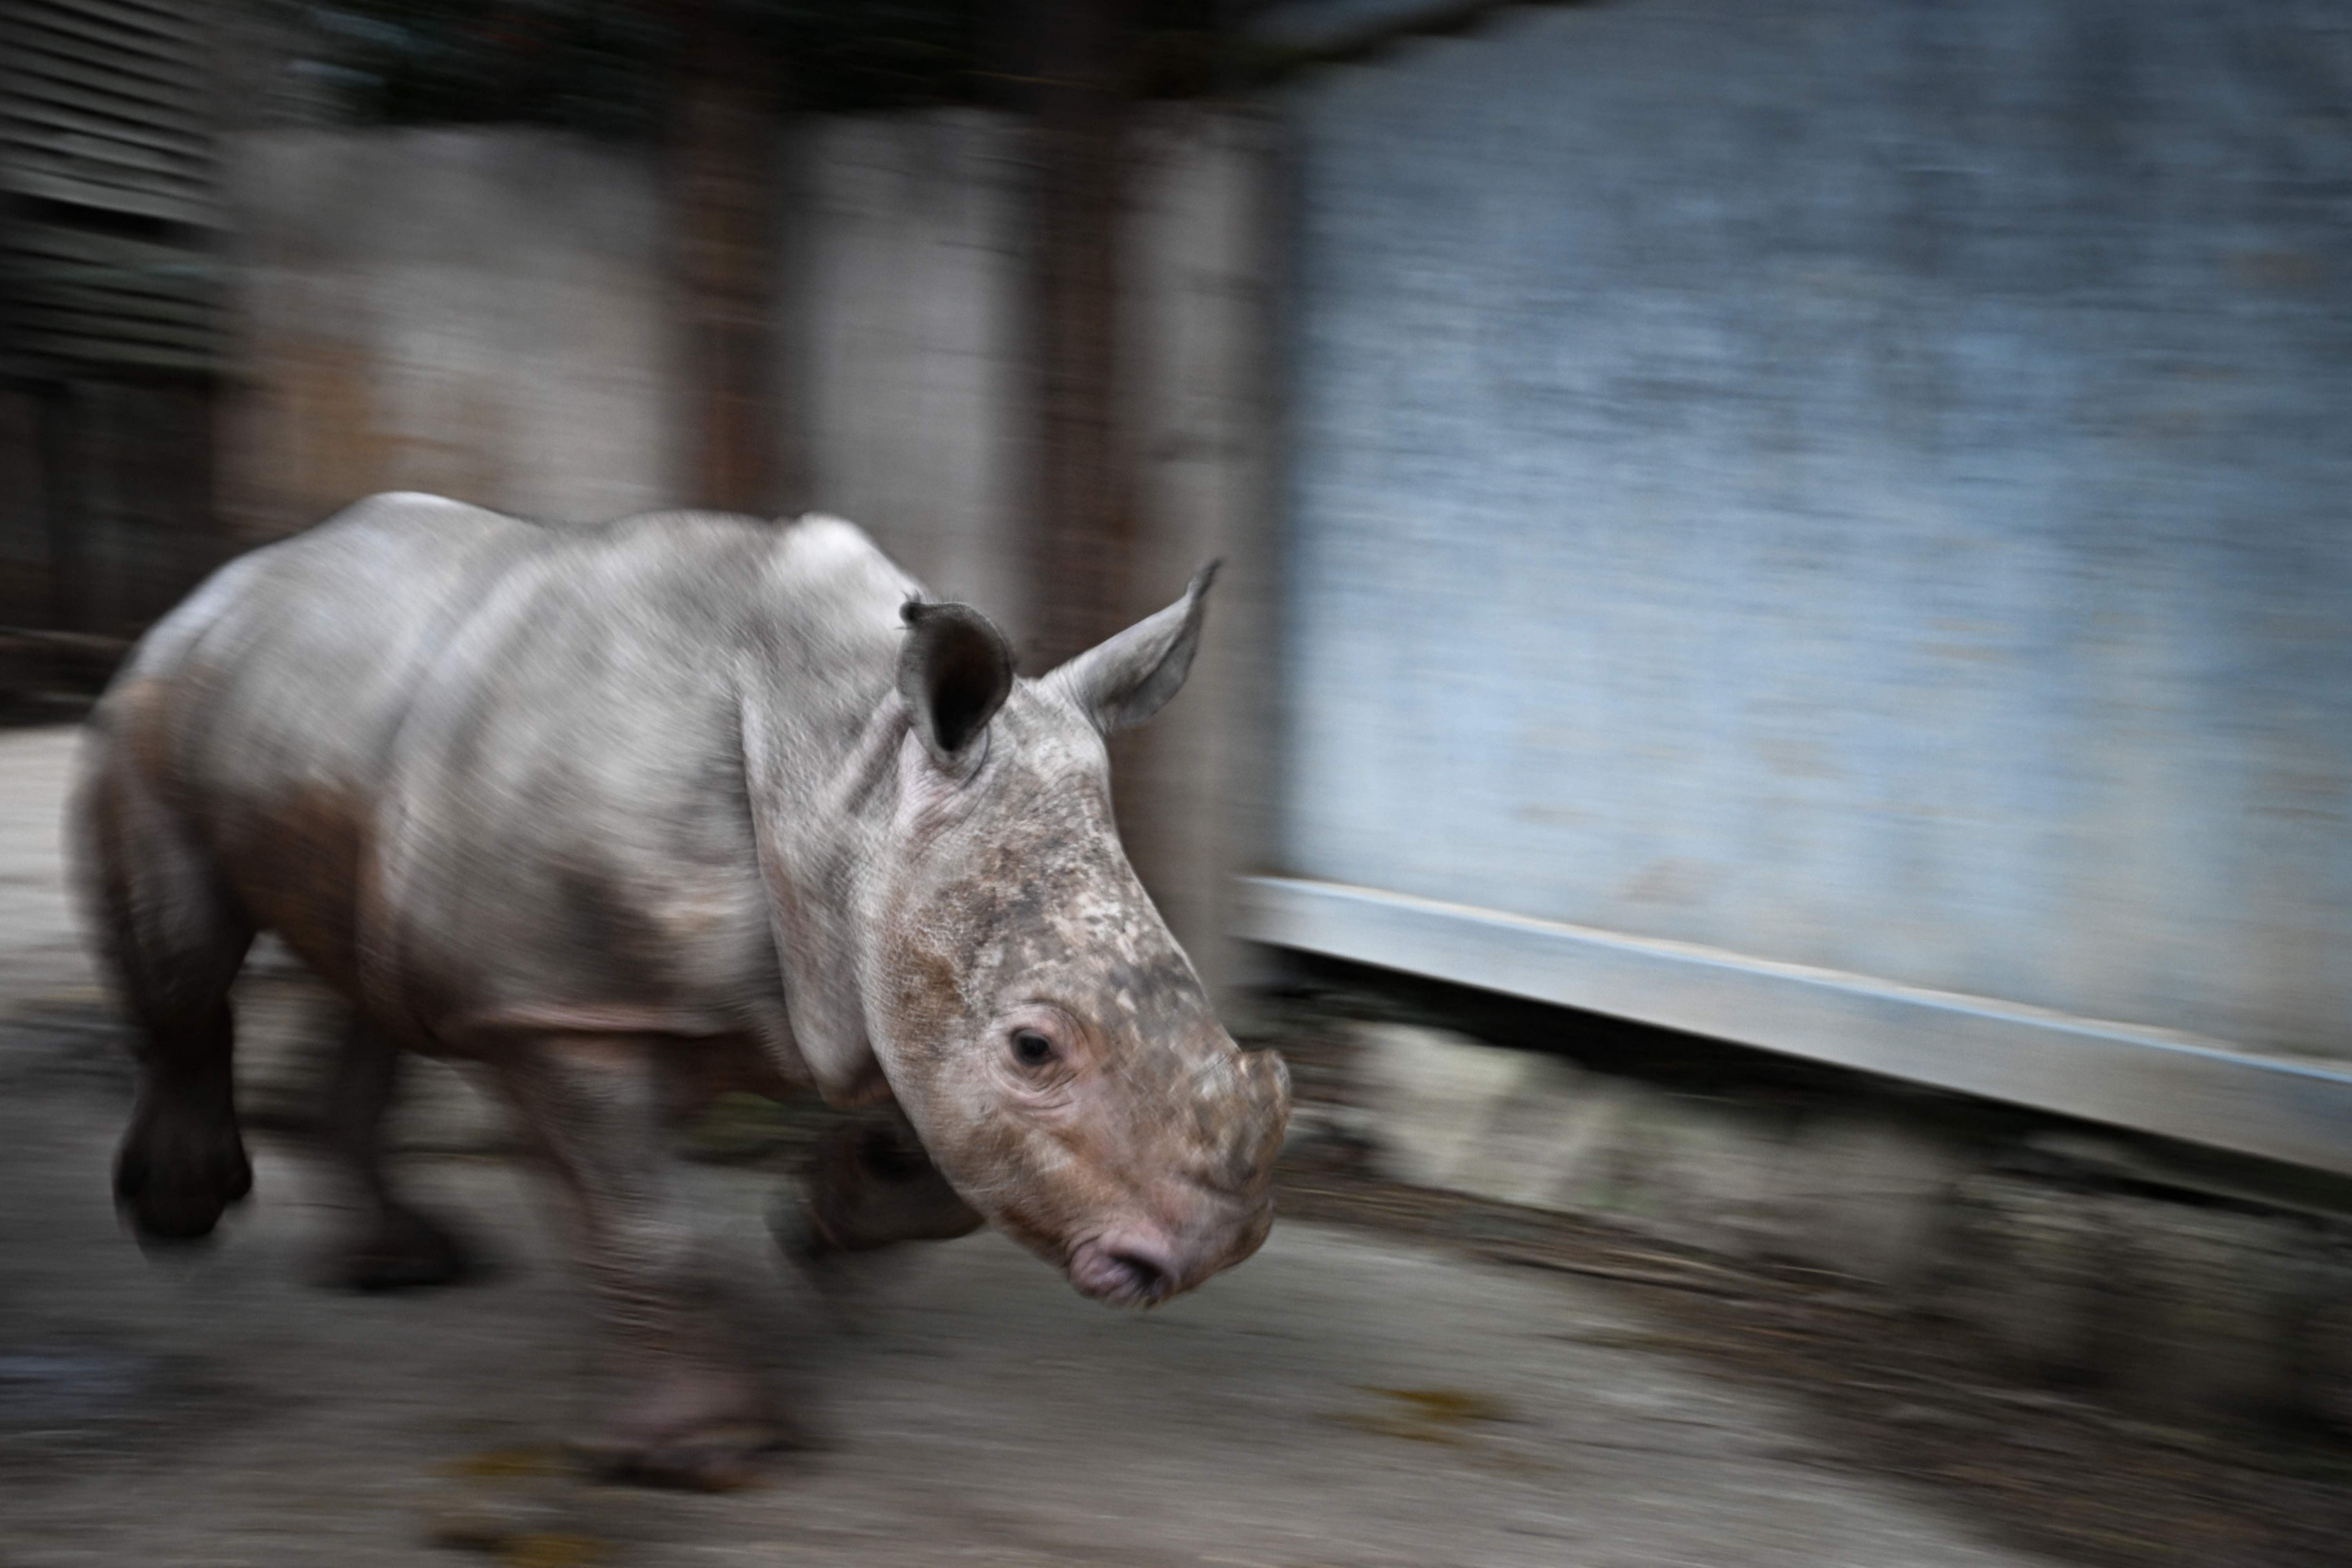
column 1141, row 1265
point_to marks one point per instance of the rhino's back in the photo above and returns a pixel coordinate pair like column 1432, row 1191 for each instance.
column 567, row 838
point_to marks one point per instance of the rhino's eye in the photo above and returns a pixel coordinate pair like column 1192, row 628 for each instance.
column 1032, row 1049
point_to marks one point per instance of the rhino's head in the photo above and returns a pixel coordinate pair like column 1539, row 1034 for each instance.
column 1036, row 1020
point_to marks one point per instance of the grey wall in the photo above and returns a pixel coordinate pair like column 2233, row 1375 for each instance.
column 1859, row 483
column 480, row 314
column 905, row 268
column 1194, row 785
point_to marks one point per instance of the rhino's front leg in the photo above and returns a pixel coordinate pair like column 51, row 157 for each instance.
column 393, row 1246
column 872, row 1184
column 684, row 1409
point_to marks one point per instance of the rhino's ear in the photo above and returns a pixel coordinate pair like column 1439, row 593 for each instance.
column 1121, row 682
column 955, row 672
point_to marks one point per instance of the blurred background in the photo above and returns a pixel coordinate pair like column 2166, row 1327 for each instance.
column 1781, row 682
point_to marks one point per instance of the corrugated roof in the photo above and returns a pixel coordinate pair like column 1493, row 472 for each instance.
column 109, row 162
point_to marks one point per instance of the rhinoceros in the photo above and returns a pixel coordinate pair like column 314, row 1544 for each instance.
column 633, row 814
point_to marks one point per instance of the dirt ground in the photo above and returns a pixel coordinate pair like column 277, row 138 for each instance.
column 1402, row 1378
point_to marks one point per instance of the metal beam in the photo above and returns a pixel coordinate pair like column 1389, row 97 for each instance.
column 2298, row 1110
column 1340, row 28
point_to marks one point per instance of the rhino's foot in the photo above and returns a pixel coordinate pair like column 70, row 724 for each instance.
column 870, row 1187
column 700, row 1428
column 181, row 1166
column 844, row 1279
column 722, row 1459
column 401, row 1250
column 800, row 1236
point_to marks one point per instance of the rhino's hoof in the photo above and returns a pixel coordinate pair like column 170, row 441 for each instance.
column 842, row 1276
column 800, row 1236
column 723, row 1459
column 403, row 1251
column 705, row 1427
column 178, row 1171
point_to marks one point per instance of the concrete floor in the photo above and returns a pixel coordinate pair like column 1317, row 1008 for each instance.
column 1343, row 1400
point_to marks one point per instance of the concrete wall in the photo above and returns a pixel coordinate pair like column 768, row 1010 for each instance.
column 480, row 314
column 906, row 265
column 1194, row 786
column 2173, row 1286
column 1859, row 483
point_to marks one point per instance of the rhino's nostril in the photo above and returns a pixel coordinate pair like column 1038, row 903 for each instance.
column 1144, row 1279
column 1123, row 1272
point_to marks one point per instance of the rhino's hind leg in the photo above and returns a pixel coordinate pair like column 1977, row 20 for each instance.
column 175, row 937
column 393, row 1247
column 182, row 1162
column 687, row 1409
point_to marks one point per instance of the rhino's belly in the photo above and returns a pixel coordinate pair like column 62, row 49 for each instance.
column 528, row 947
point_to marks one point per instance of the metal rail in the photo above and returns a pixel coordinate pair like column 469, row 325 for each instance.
column 2297, row 1110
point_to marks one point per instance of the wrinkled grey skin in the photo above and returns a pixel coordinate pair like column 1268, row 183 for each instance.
column 632, row 814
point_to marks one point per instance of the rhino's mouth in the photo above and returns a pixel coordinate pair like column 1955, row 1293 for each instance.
column 1122, row 1271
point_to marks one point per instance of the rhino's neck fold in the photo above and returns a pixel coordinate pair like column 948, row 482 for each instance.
column 816, row 811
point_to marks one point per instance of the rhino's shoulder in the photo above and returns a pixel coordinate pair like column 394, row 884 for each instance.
column 817, row 589
column 829, row 576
